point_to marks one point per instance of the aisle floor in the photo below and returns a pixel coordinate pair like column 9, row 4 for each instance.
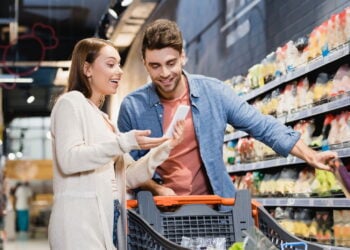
column 25, row 243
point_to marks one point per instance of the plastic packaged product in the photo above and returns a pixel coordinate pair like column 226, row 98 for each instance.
column 201, row 243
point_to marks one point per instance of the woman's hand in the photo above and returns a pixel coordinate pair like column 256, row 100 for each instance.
column 146, row 142
column 178, row 133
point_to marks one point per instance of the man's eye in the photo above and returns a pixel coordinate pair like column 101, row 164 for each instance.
column 111, row 65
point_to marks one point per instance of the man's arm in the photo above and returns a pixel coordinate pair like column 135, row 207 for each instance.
column 157, row 189
column 320, row 160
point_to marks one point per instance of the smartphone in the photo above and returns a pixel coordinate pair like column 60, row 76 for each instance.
column 180, row 114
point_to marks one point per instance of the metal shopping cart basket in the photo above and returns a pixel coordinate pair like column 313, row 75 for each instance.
column 151, row 228
column 193, row 219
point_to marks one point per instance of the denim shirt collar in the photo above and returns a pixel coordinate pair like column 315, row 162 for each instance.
column 154, row 98
column 193, row 85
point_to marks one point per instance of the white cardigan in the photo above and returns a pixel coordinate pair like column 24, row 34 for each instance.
column 84, row 153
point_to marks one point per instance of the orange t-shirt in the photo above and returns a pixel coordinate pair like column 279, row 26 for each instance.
column 183, row 171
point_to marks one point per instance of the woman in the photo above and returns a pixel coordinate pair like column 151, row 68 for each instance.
column 92, row 167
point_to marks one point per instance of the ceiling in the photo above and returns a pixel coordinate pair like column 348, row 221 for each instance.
column 42, row 35
column 38, row 36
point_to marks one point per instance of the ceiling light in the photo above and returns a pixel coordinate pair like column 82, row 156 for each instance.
column 11, row 156
column 126, row 2
column 16, row 80
column 30, row 97
column 48, row 135
column 112, row 13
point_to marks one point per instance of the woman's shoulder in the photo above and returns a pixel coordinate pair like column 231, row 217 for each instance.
column 69, row 99
column 71, row 96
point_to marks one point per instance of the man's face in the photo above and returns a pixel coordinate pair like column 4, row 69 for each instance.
column 165, row 69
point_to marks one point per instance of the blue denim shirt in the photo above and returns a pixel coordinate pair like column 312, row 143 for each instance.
column 214, row 104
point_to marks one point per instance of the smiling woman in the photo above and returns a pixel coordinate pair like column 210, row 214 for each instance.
column 91, row 168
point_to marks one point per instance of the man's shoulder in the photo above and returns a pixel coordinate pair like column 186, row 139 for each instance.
column 141, row 92
column 203, row 79
column 205, row 84
column 137, row 98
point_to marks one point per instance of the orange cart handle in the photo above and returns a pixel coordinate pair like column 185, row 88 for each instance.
column 166, row 201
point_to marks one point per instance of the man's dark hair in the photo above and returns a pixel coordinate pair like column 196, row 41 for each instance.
column 160, row 34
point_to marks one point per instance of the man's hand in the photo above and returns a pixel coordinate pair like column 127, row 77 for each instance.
column 321, row 160
column 165, row 191
column 178, row 133
column 157, row 189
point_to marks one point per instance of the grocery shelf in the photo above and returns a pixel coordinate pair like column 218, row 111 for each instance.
column 328, row 64
column 277, row 162
column 305, row 202
column 337, row 103
column 320, row 109
column 317, row 63
column 267, row 87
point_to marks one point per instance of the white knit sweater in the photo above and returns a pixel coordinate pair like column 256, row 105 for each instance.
column 87, row 157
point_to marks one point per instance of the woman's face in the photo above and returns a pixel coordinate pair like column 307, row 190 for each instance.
column 105, row 72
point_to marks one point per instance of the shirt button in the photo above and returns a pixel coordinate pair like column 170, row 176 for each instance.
column 160, row 115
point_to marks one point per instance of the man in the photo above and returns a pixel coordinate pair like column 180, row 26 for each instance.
column 196, row 166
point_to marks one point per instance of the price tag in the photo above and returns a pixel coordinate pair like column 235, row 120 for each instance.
column 307, row 68
column 327, row 59
column 317, row 110
column 316, row 63
column 311, row 202
column 336, row 55
column 329, row 202
column 259, row 165
column 346, row 49
column 300, row 71
column 282, row 119
column 248, row 96
column 304, row 113
column 292, row 117
column 344, row 102
column 250, row 166
column 290, row 202
column 280, row 161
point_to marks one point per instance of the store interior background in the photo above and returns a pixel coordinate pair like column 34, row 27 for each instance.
column 223, row 39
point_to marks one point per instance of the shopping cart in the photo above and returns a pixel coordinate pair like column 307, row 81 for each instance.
column 152, row 228
column 193, row 219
